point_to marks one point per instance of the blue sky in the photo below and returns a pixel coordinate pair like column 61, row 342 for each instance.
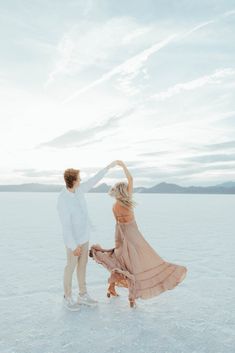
column 150, row 82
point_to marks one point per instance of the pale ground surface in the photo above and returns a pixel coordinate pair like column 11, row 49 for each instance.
column 198, row 316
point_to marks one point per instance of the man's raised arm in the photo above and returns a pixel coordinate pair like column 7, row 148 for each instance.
column 88, row 185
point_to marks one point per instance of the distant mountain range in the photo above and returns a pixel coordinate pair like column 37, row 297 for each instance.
column 162, row 188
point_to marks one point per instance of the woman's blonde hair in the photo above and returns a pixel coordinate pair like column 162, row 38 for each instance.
column 120, row 192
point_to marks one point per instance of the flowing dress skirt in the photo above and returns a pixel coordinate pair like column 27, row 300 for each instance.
column 134, row 264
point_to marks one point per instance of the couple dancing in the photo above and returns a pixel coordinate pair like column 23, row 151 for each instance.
column 132, row 263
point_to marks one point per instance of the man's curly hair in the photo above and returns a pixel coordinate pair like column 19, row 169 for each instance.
column 70, row 176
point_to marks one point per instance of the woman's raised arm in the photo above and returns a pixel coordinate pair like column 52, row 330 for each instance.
column 128, row 175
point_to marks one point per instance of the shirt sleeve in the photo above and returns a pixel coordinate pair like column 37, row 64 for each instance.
column 88, row 185
column 65, row 219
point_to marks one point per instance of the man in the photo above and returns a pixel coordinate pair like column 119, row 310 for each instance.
column 74, row 219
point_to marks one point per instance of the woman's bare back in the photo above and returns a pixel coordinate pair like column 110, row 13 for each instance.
column 122, row 214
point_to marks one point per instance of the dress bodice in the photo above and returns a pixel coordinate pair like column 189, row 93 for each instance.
column 122, row 214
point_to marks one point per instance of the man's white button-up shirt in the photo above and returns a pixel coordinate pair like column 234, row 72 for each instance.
column 73, row 213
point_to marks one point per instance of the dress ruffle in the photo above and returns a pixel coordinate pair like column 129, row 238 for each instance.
column 134, row 264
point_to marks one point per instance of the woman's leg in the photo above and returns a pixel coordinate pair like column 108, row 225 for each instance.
column 112, row 291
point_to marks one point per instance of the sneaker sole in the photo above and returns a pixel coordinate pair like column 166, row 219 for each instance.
column 72, row 309
column 87, row 304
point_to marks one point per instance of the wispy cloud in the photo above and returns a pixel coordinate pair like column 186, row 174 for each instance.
column 154, row 154
column 65, row 50
column 87, row 136
column 35, row 173
column 104, row 62
column 213, row 158
column 130, row 67
column 218, row 146
column 182, row 172
column 88, row 45
column 228, row 13
column 207, row 23
column 214, row 78
column 196, row 28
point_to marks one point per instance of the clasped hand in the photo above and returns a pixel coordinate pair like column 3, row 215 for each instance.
column 77, row 251
column 117, row 162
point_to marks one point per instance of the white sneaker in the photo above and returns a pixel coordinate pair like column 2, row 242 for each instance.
column 70, row 304
column 86, row 299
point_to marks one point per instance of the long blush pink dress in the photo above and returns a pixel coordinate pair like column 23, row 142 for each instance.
column 133, row 263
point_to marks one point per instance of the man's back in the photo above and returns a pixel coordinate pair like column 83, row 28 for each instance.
column 73, row 214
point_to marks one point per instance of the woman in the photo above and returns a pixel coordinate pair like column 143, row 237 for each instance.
column 133, row 263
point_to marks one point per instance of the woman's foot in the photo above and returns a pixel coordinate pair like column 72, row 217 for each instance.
column 132, row 303
column 111, row 291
